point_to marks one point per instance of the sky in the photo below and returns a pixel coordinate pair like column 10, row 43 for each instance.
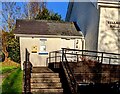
column 58, row 7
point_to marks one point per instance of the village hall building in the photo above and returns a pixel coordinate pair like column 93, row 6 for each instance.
column 99, row 21
column 41, row 37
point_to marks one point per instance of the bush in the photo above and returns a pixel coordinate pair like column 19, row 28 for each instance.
column 13, row 48
column 2, row 56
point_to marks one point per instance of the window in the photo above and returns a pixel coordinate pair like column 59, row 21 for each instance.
column 77, row 43
column 43, row 45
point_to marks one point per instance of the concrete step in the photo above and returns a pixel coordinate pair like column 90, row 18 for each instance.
column 44, row 75
column 47, row 91
column 38, row 80
column 41, row 70
column 45, row 81
column 46, row 85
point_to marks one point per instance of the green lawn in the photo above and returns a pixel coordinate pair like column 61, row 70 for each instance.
column 5, row 69
column 13, row 83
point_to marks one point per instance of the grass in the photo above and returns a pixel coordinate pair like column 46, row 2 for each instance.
column 8, row 66
column 5, row 69
column 13, row 83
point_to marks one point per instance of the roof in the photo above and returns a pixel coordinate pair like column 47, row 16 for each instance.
column 43, row 27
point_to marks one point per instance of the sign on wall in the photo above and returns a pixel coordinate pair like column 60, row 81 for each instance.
column 114, row 24
column 34, row 49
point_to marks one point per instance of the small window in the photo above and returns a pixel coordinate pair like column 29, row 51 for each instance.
column 77, row 43
column 43, row 45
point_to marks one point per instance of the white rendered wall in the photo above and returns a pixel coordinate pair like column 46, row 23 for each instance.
column 52, row 44
column 108, row 37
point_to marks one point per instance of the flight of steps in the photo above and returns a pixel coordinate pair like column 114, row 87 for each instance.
column 45, row 81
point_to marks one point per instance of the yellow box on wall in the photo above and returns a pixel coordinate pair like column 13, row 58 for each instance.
column 34, row 49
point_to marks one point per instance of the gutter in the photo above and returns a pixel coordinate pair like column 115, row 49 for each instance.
column 49, row 36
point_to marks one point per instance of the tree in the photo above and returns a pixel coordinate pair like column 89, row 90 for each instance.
column 10, row 46
column 31, row 9
column 47, row 15
column 56, row 16
column 10, row 12
column 13, row 47
column 4, row 44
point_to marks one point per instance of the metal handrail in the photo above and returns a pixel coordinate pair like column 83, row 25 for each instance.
column 89, row 51
column 97, row 54
column 70, row 53
column 54, row 55
column 70, row 74
column 27, row 73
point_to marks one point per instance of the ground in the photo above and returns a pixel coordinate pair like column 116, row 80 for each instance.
column 10, row 78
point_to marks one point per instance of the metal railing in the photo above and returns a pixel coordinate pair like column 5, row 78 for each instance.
column 59, row 56
column 74, row 55
column 103, row 59
column 70, row 76
column 27, row 66
column 54, row 57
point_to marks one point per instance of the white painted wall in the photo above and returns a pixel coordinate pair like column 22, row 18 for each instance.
column 52, row 44
column 108, row 37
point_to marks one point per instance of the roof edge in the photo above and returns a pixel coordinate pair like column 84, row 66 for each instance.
column 48, row 36
column 47, row 21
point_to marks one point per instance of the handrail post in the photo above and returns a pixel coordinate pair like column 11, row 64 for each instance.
column 98, row 59
column 55, row 64
column 102, row 58
column 110, row 68
column 82, row 54
column 77, row 58
column 27, row 73
column 62, row 54
column 50, row 57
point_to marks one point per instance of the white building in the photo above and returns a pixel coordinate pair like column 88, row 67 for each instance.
column 41, row 37
column 99, row 21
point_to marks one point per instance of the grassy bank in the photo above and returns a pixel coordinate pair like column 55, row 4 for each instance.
column 13, row 83
column 5, row 69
